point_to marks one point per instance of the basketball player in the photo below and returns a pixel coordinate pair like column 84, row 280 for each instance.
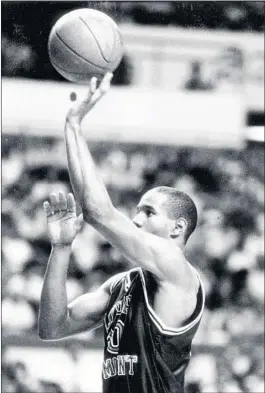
column 150, row 313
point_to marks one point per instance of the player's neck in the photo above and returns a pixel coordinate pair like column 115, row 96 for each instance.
column 180, row 244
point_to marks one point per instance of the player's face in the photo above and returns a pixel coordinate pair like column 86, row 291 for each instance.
column 152, row 217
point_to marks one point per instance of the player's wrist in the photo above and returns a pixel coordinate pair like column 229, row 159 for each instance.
column 62, row 246
column 73, row 120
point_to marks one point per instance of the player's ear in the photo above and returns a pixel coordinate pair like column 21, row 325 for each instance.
column 179, row 228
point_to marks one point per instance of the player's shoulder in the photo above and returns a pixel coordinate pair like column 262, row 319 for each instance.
column 179, row 269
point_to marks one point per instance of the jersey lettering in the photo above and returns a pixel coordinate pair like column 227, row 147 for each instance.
column 120, row 307
column 114, row 333
column 119, row 365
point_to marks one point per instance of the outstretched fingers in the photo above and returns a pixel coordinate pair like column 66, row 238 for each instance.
column 105, row 83
column 62, row 201
column 59, row 203
column 54, row 202
column 81, row 107
column 71, row 205
column 93, row 85
column 47, row 208
column 102, row 89
column 91, row 90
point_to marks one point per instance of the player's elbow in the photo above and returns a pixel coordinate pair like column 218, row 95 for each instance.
column 45, row 335
column 47, row 332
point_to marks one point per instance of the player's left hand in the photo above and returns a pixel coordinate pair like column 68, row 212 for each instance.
column 62, row 221
column 81, row 107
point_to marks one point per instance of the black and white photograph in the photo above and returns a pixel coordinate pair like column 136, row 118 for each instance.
column 132, row 211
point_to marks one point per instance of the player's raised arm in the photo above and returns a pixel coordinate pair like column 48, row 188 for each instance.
column 141, row 248
column 78, row 154
column 72, row 123
column 57, row 319
column 73, row 162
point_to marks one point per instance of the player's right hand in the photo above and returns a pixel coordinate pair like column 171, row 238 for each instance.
column 62, row 221
column 81, row 108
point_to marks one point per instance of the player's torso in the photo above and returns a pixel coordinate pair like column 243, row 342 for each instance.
column 142, row 354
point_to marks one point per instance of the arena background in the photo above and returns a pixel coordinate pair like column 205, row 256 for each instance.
column 187, row 110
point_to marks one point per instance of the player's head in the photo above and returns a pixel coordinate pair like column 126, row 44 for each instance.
column 168, row 213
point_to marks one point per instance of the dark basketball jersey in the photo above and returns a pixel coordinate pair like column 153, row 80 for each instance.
column 141, row 354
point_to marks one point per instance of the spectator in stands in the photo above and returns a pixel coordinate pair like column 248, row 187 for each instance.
column 235, row 16
column 193, row 387
column 17, row 58
column 21, row 380
column 50, row 387
column 17, row 314
column 8, row 379
column 195, row 81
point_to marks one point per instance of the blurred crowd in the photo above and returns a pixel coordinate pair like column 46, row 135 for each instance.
column 227, row 247
column 240, row 16
column 16, row 378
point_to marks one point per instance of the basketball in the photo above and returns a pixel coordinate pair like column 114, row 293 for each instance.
column 85, row 43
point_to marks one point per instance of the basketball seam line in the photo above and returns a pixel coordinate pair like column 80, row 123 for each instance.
column 67, row 71
column 99, row 47
column 89, row 62
column 114, row 49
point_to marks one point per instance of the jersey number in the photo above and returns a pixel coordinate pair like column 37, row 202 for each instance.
column 114, row 338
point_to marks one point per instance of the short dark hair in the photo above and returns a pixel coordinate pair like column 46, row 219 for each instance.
column 179, row 204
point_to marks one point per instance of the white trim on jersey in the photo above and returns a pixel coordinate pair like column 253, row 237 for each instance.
column 164, row 329
column 118, row 279
column 114, row 283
